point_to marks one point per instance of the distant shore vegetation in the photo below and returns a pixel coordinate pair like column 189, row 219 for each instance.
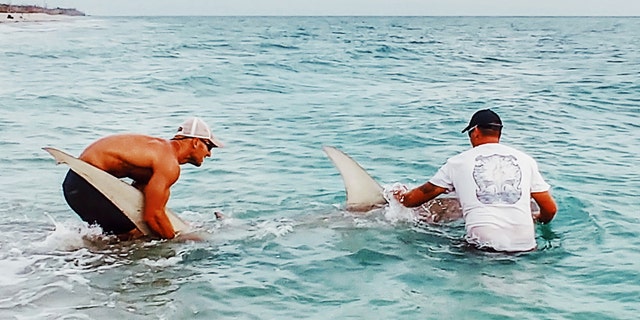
column 8, row 8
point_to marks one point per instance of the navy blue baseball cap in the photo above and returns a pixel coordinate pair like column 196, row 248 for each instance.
column 484, row 119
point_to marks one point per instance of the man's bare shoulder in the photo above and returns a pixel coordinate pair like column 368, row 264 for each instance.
column 124, row 138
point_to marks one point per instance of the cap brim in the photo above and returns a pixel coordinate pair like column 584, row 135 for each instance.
column 216, row 142
column 467, row 128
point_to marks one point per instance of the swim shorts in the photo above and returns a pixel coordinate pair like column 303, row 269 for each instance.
column 93, row 207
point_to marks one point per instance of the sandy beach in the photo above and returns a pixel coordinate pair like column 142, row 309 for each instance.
column 31, row 17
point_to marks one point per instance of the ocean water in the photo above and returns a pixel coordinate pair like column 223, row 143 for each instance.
column 393, row 92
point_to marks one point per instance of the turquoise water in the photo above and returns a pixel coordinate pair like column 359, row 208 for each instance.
column 394, row 93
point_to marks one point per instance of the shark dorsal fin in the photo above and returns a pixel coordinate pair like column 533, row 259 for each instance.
column 363, row 192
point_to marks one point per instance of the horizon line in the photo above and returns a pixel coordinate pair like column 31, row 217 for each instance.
column 367, row 15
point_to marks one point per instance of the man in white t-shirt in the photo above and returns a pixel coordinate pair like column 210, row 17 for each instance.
column 495, row 184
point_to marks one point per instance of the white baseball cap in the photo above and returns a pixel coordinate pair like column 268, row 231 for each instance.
column 194, row 127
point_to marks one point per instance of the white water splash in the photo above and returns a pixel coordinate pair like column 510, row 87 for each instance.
column 70, row 236
column 396, row 212
column 161, row 262
column 276, row 228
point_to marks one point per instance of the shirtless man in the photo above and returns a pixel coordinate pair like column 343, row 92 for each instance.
column 154, row 166
column 495, row 184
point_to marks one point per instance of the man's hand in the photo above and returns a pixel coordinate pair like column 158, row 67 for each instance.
column 398, row 190
column 159, row 223
column 399, row 195
column 535, row 216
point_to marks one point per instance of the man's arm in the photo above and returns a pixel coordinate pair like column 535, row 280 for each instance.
column 547, row 206
column 156, row 196
column 419, row 195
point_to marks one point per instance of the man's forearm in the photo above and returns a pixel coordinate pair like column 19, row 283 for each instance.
column 420, row 195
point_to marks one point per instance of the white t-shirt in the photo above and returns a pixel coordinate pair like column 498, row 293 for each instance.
column 494, row 183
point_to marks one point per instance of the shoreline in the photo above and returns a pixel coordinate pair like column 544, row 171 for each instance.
column 15, row 17
column 31, row 13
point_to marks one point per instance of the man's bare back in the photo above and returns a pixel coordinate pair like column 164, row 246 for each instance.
column 129, row 155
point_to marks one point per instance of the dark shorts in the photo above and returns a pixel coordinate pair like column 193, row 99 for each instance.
column 93, row 207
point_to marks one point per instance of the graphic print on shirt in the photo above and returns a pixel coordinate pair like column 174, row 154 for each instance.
column 497, row 179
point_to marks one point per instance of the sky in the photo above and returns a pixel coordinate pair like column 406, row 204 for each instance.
column 345, row 7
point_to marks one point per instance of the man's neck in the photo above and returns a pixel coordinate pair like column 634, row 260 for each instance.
column 484, row 140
